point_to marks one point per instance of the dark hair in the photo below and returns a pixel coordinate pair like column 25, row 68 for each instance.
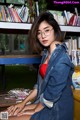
column 48, row 17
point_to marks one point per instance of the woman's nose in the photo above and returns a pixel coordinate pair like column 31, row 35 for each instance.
column 43, row 35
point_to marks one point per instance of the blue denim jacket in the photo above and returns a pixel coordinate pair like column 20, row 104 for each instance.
column 54, row 92
column 58, row 76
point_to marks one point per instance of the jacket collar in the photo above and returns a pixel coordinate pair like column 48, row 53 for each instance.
column 58, row 47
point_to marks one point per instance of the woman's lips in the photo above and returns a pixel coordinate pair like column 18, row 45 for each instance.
column 44, row 41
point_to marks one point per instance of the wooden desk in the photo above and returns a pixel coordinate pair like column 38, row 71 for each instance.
column 19, row 59
column 76, row 94
column 6, row 101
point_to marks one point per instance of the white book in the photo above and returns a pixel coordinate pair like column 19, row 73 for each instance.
column 37, row 8
column 74, row 57
column 66, row 15
column 74, row 44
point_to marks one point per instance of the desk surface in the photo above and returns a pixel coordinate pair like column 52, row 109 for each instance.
column 6, row 101
column 76, row 94
column 19, row 59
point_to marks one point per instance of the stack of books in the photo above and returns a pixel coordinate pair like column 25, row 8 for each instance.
column 19, row 93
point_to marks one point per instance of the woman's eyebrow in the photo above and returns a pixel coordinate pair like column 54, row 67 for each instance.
column 44, row 28
column 47, row 27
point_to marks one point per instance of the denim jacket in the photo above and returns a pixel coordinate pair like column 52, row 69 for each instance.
column 58, row 78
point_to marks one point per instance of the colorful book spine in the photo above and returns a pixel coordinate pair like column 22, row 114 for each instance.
column 16, row 16
column 8, row 18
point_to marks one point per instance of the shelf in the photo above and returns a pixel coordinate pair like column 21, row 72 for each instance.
column 70, row 28
column 10, row 25
column 19, row 59
column 25, row 26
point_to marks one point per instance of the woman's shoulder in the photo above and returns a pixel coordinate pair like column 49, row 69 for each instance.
column 66, row 59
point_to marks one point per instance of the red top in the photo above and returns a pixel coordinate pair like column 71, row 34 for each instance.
column 42, row 70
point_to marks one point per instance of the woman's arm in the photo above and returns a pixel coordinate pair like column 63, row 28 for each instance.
column 14, row 110
column 31, row 96
column 26, row 111
column 39, row 107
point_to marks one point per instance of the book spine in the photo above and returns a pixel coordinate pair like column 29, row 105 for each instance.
column 66, row 15
column 16, row 15
column 37, row 8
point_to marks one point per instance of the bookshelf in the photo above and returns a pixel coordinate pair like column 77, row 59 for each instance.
column 18, row 26
column 10, row 26
column 70, row 28
column 24, row 59
column 24, row 27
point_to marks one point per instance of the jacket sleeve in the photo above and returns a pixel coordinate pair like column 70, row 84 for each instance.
column 57, row 82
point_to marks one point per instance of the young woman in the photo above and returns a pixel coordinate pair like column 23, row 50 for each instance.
column 52, row 92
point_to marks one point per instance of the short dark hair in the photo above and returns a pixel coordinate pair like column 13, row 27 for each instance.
column 48, row 17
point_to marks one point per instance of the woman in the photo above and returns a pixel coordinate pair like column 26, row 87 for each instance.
column 52, row 93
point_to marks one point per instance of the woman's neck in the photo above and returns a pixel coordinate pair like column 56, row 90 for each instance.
column 53, row 46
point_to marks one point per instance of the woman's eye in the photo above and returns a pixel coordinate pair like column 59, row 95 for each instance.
column 38, row 33
column 47, row 30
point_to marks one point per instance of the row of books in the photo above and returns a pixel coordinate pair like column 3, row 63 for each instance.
column 73, row 48
column 66, row 17
column 73, row 43
column 14, row 14
column 2, row 1
column 16, row 1
column 13, row 1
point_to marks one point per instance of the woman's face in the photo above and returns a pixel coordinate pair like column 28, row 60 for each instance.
column 45, row 34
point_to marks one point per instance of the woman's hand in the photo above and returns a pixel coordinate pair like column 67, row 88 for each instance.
column 14, row 110
column 26, row 112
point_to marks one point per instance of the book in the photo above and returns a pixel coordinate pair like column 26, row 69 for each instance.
column 23, row 13
column 0, row 13
column 73, row 20
column 76, row 80
column 2, row 1
column 74, row 57
column 15, row 1
column 37, row 8
column 8, row 18
column 66, row 15
column 19, row 93
column 17, row 18
column 78, row 21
